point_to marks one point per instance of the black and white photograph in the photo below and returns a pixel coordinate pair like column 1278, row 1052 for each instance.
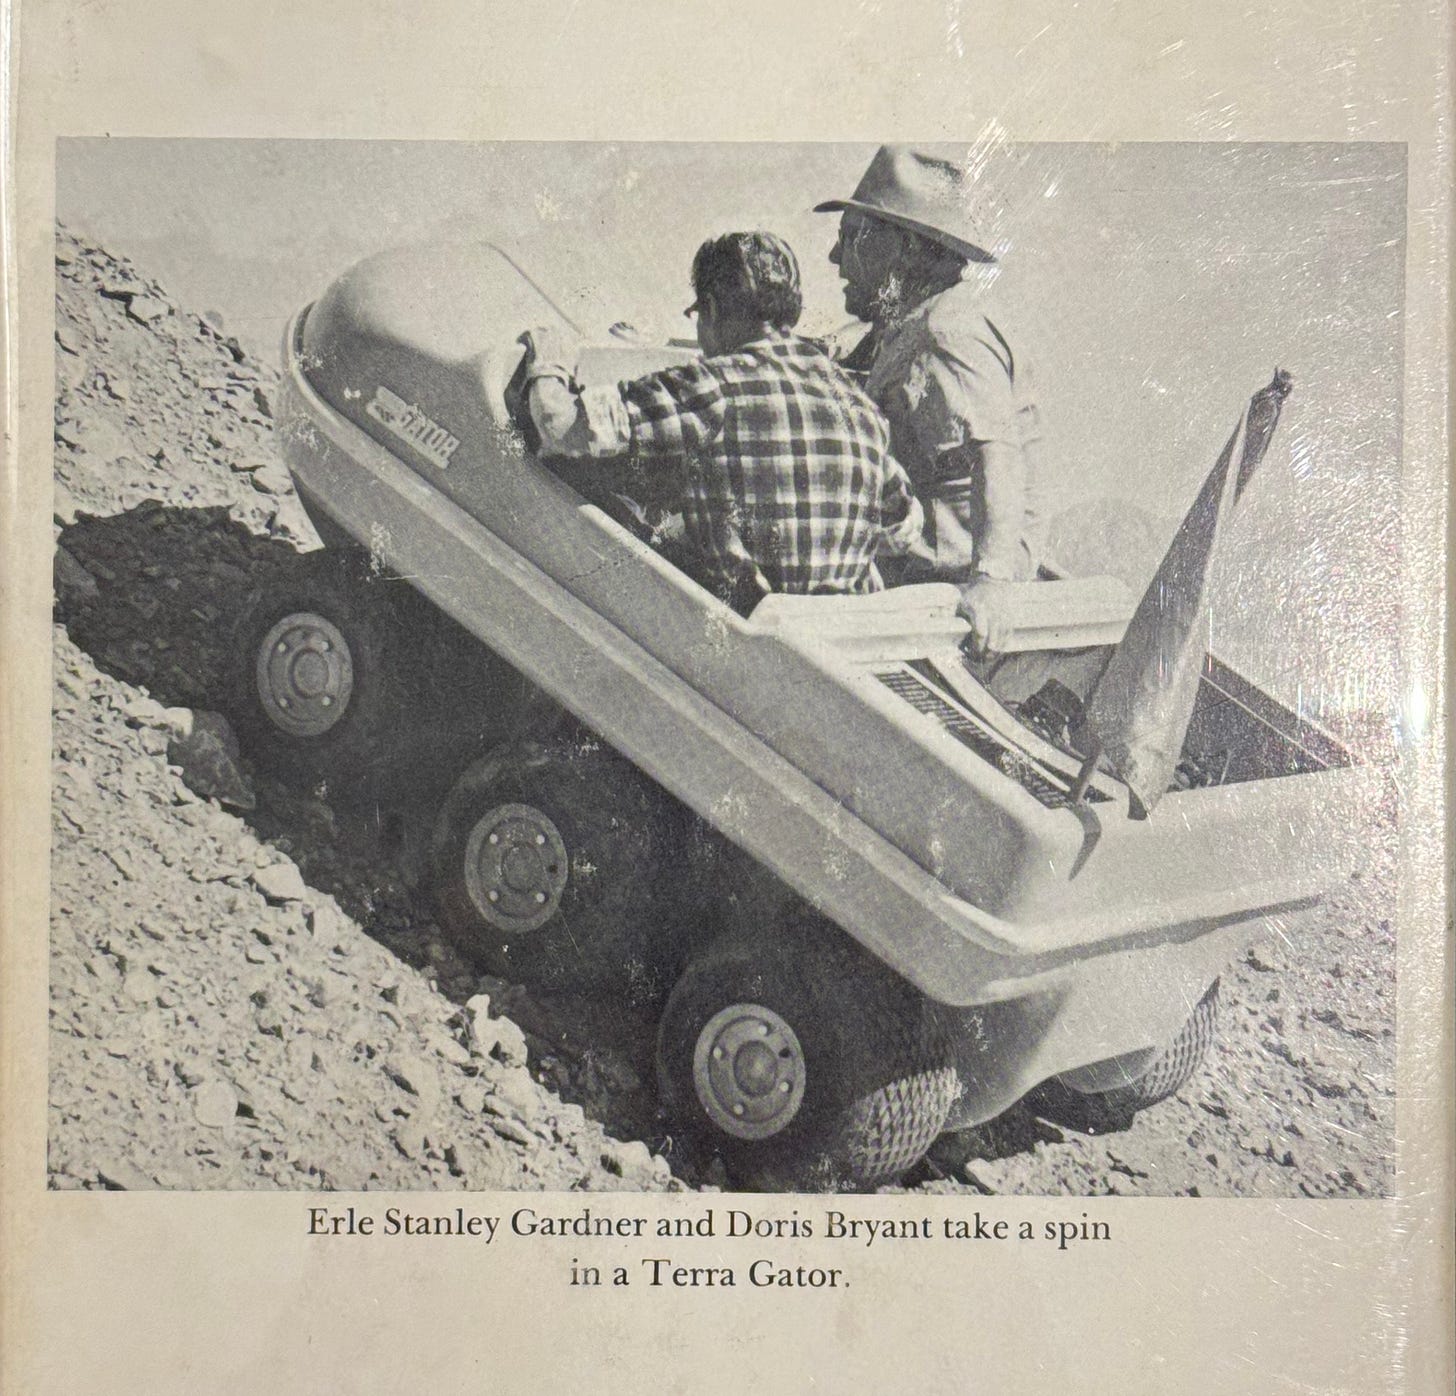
column 751, row 667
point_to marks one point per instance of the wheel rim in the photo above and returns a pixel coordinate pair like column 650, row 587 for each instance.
column 515, row 867
column 748, row 1068
column 305, row 674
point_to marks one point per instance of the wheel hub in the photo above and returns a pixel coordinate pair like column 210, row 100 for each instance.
column 515, row 867
column 748, row 1069
column 305, row 674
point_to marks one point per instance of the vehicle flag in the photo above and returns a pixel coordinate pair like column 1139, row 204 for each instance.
column 1139, row 711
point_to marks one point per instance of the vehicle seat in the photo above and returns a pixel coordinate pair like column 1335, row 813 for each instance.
column 1068, row 613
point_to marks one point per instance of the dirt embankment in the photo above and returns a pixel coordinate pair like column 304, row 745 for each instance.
column 247, row 986
column 219, row 1015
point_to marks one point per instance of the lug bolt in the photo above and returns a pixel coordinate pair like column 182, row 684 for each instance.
column 323, row 646
column 540, row 840
column 540, row 898
column 327, row 701
column 282, row 701
column 495, row 838
column 717, row 1054
column 738, row 1109
column 784, row 1087
column 763, row 1029
column 493, row 895
column 283, row 647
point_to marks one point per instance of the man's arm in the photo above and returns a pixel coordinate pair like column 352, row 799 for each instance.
column 901, row 517
column 661, row 417
column 570, row 421
column 967, row 421
column 964, row 419
column 581, row 424
column 1003, row 510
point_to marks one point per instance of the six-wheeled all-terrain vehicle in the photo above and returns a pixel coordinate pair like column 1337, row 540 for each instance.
column 844, row 859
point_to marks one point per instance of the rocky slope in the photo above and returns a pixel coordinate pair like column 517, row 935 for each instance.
column 247, row 986
column 218, row 1018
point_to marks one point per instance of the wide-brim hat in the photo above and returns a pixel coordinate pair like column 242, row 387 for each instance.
column 924, row 193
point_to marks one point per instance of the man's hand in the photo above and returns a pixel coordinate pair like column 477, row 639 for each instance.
column 550, row 353
column 980, row 607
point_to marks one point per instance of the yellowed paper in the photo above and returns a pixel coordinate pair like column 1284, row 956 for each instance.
column 1185, row 200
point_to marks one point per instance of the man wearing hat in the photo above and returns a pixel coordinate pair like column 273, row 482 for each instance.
column 962, row 418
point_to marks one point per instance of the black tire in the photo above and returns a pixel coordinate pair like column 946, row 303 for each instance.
column 588, row 902
column 336, row 726
column 804, row 1065
column 423, row 694
column 1165, row 1074
column 475, row 700
column 1173, row 1067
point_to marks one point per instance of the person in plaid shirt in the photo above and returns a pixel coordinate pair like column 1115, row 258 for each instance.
column 783, row 464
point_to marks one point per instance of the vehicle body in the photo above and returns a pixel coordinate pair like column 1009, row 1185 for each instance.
column 845, row 746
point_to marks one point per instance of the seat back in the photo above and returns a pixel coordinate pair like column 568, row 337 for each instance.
column 1069, row 613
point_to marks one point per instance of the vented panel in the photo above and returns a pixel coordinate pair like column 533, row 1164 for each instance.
column 921, row 696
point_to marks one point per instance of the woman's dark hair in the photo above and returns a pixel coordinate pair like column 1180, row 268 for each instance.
column 751, row 276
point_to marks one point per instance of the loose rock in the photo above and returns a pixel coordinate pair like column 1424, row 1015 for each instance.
column 280, row 882
column 215, row 1104
column 146, row 310
column 207, row 752
column 74, row 584
column 121, row 1175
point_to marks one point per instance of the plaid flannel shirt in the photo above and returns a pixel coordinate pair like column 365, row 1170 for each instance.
column 788, row 484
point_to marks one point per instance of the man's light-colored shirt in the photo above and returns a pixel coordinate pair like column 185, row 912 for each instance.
column 946, row 378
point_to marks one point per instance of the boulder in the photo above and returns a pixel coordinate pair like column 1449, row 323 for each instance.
column 206, row 749
column 280, row 882
column 75, row 586
column 215, row 1104
column 147, row 310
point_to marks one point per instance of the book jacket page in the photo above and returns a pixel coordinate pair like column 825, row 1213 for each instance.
column 726, row 699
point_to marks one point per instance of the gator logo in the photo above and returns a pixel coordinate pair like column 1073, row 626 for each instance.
column 407, row 422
